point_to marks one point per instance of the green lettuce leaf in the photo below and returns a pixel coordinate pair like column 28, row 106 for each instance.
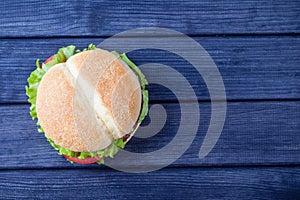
column 109, row 151
column 68, row 51
column 62, row 55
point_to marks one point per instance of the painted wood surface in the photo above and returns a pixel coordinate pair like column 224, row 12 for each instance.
column 251, row 67
column 255, row 45
column 178, row 183
column 105, row 18
column 255, row 133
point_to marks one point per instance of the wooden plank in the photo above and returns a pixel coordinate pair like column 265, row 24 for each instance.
column 251, row 67
column 106, row 18
column 192, row 183
column 255, row 133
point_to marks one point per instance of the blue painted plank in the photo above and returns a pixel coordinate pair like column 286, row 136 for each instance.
column 183, row 183
column 255, row 133
column 105, row 18
column 251, row 67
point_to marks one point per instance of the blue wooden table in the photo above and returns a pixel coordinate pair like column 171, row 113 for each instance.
column 256, row 47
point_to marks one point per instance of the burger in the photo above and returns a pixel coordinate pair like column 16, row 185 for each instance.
column 88, row 103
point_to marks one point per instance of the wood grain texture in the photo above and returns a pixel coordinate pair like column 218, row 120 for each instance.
column 251, row 67
column 255, row 133
column 258, row 60
column 106, row 18
column 193, row 183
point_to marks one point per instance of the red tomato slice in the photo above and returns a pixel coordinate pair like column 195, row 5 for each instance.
column 49, row 59
column 85, row 161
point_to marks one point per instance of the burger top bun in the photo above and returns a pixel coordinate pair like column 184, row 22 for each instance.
column 87, row 102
